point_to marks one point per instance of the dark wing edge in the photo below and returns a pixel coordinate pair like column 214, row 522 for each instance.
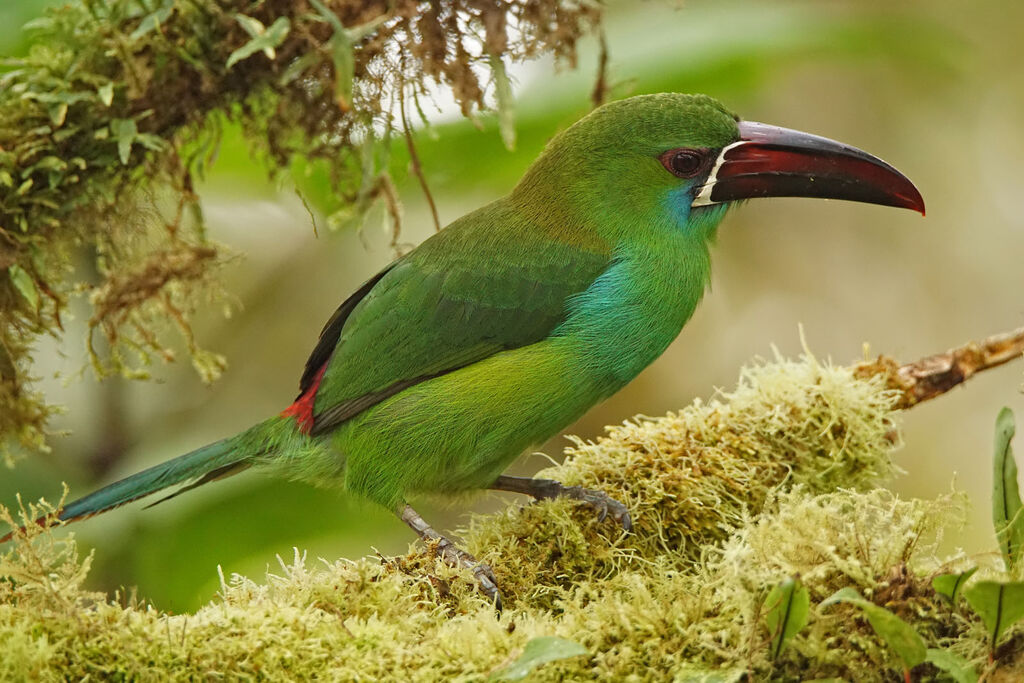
column 335, row 415
column 331, row 334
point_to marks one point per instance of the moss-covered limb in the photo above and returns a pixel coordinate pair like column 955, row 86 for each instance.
column 120, row 102
column 775, row 479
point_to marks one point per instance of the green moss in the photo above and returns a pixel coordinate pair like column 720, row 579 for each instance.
column 777, row 478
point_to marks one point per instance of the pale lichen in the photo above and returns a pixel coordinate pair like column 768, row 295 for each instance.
column 775, row 479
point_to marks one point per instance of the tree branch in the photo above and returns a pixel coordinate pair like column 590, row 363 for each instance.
column 929, row 377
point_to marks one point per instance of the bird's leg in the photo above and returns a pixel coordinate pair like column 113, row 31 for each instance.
column 454, row 555
column 542, row 489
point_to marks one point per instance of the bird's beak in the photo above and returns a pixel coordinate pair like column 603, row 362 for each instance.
column 769, row 161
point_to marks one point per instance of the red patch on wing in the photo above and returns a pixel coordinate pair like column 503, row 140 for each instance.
column 302, row 409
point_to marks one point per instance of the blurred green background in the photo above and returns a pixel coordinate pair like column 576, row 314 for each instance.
column 933, row 86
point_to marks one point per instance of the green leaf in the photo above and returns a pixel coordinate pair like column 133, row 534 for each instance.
column 40, row 24
column 1000, row 605
column 151, row 22
column 263, row 39
column 297, row 67
column 327, row 15
column 25, row 285
column 106, row 93
column 124, row 131
column 786, row 609
column 537, row 652
column 898, row 634
column 58, row 113
column 958, row 668
column 506, row 102
column 151, row 141
column 344, row 67
column 1007, row 517
column 342, row 44
column 341, row 54
column 357, row 33
column 950, row 585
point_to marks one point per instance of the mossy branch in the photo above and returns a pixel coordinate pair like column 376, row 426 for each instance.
column 778, row 478
column 120, row 103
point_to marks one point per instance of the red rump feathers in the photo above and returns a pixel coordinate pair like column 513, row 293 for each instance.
column 302, row 409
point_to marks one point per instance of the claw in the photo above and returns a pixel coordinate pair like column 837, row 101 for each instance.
column 542, row 489
column 455, row 556
column 602, row 503
column 459, row 558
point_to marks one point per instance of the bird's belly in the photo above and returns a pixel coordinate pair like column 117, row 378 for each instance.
column 459, row 431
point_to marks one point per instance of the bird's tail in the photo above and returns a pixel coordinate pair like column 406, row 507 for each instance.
column 211, row 462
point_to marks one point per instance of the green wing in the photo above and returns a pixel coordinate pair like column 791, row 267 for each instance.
column 478, row 287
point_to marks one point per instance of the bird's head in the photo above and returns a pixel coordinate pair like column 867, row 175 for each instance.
column 670, row 158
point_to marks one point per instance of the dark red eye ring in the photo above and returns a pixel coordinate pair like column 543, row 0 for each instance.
column 683, row 163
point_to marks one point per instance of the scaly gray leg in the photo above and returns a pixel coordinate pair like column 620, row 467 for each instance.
column 542, row 489
column 453, row 555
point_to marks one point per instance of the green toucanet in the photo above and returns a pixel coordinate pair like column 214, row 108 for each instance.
column 517, row 318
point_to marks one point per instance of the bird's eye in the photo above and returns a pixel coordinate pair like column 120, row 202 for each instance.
column 683, row 163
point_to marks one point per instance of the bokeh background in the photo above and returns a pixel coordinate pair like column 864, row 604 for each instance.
column 933, row 86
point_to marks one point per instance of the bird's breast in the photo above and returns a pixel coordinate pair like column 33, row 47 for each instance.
column 633, row 311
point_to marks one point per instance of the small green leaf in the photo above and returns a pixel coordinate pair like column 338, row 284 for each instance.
column 950, row 585
column 898, row 634
column 786, row 609
column 254, row 27
column 50, row 163
column 106, row 93
column 124, row 131
column 357, row 33
column 25, row 285
column 342, row 44
column 297, row 67
column 151, row 22
column 344, row 68
column 506, row 102
column 263, row 39
column 1000, row 605
column 58, row 113
column 1007, row 517
column 40, row 24
column 958, row 668
column 327, row 15
column 537, row 652
column 150, row 141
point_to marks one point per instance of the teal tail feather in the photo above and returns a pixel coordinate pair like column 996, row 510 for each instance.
column 211, row 462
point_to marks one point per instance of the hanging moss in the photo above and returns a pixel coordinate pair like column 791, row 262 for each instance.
column 120, row 103
column 775, row 479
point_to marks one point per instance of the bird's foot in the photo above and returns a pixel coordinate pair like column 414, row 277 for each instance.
column 455, row 556
column 544, row 489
